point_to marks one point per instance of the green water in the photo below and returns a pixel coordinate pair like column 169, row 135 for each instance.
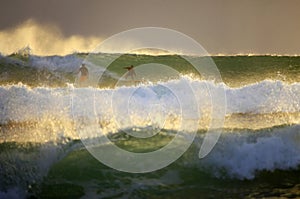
column 235, row 70
column 78, row 174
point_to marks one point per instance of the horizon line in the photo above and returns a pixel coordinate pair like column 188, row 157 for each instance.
column 159, row 54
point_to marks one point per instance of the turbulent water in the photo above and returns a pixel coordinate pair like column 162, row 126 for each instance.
column 257, row 155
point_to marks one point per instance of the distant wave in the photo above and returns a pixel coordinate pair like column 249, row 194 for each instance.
column 254, row 54
column 69, row 63
column 57, row 71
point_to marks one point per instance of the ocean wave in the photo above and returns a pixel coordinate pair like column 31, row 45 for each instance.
column 22, row 103
column 43, row 114
column 243, row 155
column 264, row 97
column 237, row 155
column 68, row 63
column 24, row 165
column 59, row 70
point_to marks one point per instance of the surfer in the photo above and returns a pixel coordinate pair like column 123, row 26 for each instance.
column 84, row 73
column 130, row 72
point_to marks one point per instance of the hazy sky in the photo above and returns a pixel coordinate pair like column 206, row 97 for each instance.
column 229, row 27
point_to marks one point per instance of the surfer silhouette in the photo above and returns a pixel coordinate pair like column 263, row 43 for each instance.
column 84, row 74
column 130, row 72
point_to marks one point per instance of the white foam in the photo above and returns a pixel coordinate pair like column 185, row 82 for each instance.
column 20, row 103
column 243, row 155
column 264, row 97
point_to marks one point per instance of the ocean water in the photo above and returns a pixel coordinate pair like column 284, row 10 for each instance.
column 42, row 111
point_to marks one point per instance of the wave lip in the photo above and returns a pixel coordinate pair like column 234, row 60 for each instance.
column 264, row 97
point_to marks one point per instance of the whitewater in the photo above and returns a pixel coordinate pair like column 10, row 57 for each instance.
column 21, row 103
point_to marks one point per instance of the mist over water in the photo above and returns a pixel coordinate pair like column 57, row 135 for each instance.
column 44, row 39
